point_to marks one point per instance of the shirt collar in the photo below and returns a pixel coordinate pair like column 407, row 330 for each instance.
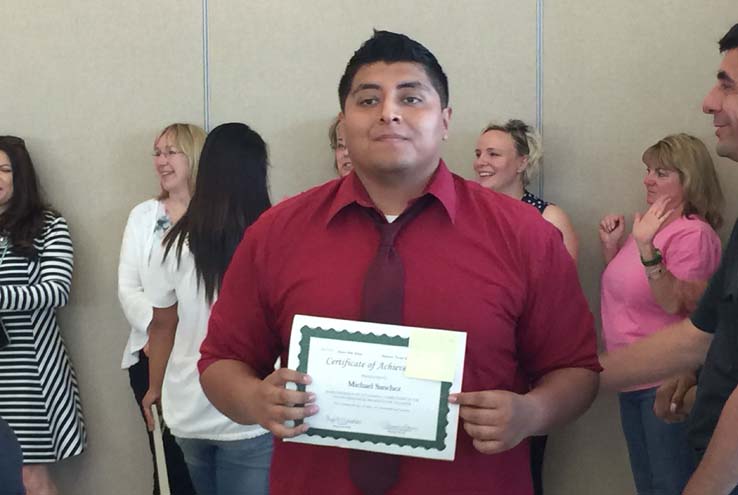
column 351, row 190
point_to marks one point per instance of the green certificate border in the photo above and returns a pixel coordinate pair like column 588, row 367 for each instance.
column 439, row 443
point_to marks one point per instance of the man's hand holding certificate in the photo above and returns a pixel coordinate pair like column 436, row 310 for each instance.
column 381, row 388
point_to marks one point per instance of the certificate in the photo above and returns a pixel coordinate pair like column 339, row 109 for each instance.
column 378, row 387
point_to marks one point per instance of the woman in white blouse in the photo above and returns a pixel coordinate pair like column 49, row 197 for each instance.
column 176, row 155
column 223, row 457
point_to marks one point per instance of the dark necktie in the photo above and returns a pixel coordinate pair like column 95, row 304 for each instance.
column 382, row 302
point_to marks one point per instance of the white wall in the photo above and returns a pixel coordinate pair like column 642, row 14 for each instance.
column 88, row 84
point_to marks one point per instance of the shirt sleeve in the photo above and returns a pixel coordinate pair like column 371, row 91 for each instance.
column 161, row 289
column 56, row 260
column 705, row 317
column 556, row 329
column 136, row 306
column 240, row 326
column 693, row 254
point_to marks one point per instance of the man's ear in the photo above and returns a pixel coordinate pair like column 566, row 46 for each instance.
column 446, row 115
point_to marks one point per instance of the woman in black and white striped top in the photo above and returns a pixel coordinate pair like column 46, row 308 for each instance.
column 38, row 389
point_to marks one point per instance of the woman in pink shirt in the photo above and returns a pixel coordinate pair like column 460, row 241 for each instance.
column 654, row 277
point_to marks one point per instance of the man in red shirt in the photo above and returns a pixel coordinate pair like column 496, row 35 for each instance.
column 473, row 260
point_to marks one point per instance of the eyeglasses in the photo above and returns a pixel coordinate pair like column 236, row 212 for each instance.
column 166, row 153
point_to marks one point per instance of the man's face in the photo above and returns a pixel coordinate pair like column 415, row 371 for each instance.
column 722, row 103
column 393, row 120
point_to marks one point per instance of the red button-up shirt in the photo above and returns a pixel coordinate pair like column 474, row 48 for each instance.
column 475, row 261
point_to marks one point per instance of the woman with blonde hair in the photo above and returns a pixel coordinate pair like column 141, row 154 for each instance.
column 654, row 277
column 342, row 160
column 176, row 155
column 507, row 158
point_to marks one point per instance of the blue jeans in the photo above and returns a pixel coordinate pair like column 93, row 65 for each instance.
column 11, row 461
column 238, row 467
column 660, row 457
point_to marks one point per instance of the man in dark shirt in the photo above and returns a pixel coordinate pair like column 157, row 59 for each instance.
column 711, row 334
column 472, row 260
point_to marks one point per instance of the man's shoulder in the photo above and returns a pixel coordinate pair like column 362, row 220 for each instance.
column 731, row 250
column 312, row 196
column 734, row 234
column 305, row 203
column 495, row 206
column 501, row 222
column 299, row 211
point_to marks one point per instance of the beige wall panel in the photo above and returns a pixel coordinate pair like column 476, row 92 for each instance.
column 618, row 77
column 276, row 65
column 88, row 84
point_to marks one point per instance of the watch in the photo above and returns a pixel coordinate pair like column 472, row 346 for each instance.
column 657, row 258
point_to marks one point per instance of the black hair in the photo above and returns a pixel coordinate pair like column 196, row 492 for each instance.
column 230, row 193
column 23, row 220
column 389, row 47
column 730, row 40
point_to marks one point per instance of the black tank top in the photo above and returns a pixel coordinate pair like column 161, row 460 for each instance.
column 532, row 200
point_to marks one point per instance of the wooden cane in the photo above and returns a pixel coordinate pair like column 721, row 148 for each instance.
column 161, row 462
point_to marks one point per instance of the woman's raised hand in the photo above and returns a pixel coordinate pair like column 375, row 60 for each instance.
column 646, row 225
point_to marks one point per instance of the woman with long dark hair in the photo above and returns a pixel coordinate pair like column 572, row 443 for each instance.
column 39, row 397
column 176, row 154
column 223, row 457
